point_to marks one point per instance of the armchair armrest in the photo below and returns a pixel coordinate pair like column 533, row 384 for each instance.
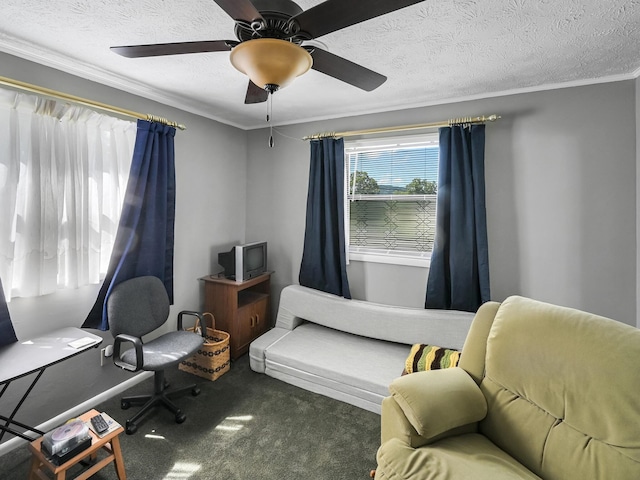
column 203, row 325
column 137, row 344
column 437, row 401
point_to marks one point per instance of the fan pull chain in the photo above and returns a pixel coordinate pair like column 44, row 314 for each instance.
column 269, row 119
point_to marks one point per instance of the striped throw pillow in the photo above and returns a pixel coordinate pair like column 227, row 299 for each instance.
column 430, row 357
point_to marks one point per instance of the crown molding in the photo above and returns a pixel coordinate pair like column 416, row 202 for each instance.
column 92, row 73
column 468, row 98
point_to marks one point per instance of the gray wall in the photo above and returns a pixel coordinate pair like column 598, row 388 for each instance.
column 210, row 215
column 561, row 201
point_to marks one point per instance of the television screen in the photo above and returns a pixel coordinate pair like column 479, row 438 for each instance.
column 254, row 257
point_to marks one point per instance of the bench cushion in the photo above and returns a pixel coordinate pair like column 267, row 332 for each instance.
column 337, row 364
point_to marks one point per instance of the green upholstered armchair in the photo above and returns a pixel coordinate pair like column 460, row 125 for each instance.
column 541, row 391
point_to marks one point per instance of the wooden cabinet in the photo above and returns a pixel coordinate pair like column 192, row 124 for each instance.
column 242, row 309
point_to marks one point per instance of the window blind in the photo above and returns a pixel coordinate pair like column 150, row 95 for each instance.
column 391, row 195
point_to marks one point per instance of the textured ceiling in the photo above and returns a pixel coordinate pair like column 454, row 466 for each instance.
column 431, row 52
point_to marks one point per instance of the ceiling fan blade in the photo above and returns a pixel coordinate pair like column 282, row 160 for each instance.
column 345, row 70
column 333, row 15
column 157, row 49
column 241, row 10
column 255, row 94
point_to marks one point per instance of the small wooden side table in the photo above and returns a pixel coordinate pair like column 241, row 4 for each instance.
column 110, row 443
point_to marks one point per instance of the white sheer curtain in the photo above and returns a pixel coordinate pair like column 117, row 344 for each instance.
column 63, row 174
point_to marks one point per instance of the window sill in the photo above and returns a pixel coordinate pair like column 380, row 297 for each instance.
column 409, row 260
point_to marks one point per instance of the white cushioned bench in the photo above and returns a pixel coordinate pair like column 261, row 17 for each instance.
column 349, row 350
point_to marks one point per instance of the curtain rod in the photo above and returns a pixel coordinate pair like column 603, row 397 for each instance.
column 89, row 103
column 405, row 128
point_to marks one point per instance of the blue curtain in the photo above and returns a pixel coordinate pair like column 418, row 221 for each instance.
column 459, row 271
column 323, row 264
column 144, row 241
column 7, row 333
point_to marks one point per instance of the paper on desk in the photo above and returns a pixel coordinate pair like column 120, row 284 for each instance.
column 82, row 342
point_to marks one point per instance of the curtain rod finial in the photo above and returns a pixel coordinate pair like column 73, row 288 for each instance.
column 164, row 121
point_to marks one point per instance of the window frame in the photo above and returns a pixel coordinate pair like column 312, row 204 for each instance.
column 377, row 255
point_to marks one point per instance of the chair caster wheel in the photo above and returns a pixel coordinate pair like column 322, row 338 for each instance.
column 131, row 428
column 180, row 417
column 124, row 404
column 195, row 391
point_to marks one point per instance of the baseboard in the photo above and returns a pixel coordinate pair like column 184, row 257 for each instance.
column 16, row 442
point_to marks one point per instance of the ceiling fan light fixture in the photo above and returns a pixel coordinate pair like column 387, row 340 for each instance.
column 270, row 61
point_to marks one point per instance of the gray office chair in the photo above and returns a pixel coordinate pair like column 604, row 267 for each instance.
column 135, row 308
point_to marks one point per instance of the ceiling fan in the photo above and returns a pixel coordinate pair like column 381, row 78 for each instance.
column 274, row 45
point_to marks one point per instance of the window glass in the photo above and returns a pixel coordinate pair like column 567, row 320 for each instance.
column 390, row 203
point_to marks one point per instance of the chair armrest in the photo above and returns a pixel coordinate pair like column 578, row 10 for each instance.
column 203, row 325
column 394, row 424
column 137, row 344
column 437, row 401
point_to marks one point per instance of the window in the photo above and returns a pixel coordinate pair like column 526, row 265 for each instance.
column 63, row 174
column 390, row 203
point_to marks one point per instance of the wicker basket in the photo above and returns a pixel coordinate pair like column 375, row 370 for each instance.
column 211, row 360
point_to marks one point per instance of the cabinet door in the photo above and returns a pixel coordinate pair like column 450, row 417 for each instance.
column 261, row 317
column 252, row 322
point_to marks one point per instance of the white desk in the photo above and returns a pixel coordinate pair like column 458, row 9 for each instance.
column 27, row 357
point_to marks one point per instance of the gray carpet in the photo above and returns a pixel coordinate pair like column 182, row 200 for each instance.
column 243, row 426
